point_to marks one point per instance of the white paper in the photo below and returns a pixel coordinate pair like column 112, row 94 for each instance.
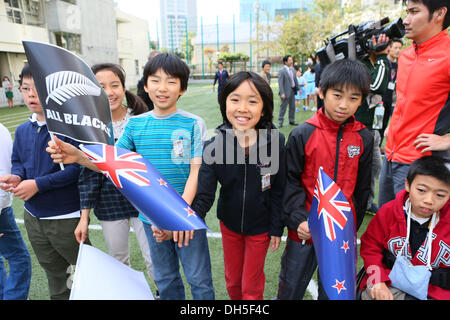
column 98, row 276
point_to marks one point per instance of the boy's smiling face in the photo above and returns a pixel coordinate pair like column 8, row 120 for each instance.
column 427, row 195
column 164, row 90
column 341, row 103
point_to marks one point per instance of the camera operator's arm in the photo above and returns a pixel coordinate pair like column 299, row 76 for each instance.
column 380, row 72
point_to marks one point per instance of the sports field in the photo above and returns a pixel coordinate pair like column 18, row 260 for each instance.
column 201, row 100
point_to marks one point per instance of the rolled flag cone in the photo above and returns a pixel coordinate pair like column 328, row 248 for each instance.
column 332, row 226
column 144, row 186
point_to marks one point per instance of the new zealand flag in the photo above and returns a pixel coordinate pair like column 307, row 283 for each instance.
column 144, row 186
column 332, row 227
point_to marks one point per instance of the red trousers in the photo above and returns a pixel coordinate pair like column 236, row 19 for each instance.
column 244, row 257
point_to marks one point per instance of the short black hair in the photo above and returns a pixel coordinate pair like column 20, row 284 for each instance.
column 25, row 73
column 265, row 62
column 171, row 65
column 434, row 166
column 396, row 40
column 346, row 73
column 263, row 88
column 434, row 5
column 286, row 58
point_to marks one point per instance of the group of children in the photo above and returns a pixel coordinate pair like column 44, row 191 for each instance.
column 265, row 185
column 307, row 89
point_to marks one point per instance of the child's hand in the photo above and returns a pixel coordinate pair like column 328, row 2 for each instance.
column 161, row 235
column 82, row 230
column 303, row 231
column 26, row 189
column 178, row 236
column 274, row 243
column 9, row 182
column 63, row 152
column 380, row 291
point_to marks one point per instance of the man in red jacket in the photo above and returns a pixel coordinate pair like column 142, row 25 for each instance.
column 423, row 93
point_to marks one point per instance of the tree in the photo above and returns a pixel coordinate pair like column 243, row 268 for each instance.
column 303, row 33
column 231, row 58
column 209, row 53
column 190, row 50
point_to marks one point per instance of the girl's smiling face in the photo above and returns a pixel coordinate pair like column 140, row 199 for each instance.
column 244, row 107
column 110, row 82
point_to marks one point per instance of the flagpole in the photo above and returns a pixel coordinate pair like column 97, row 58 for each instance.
column 53, row 139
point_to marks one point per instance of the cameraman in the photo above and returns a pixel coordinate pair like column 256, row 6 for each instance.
column 378, row 65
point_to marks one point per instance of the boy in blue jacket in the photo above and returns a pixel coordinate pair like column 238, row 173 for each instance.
column 52, row 201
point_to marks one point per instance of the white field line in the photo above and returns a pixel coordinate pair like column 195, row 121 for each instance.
column 312, row 288
column 13, row 116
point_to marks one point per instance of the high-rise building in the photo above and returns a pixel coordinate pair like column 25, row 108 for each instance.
column 177, row 17
column 270, row 7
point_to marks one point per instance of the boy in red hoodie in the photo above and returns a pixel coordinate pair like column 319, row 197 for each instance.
column 425, row 201
column 334, row 140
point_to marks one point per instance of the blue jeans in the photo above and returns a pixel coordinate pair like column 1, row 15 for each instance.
column 12, row 247
column 196, row 264
column 392, row 180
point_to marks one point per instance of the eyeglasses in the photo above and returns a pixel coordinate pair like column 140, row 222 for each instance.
column 27, row 90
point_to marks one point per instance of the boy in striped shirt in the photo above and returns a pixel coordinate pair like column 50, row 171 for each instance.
column 171, row 139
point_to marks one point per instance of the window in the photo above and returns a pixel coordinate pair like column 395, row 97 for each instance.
column 14, row 11
column 69, row 41
column 136, row 65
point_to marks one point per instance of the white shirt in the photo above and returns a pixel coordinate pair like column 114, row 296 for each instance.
column 5, row 164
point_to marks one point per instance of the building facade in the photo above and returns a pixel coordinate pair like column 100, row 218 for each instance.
column 271, row 8
column 177, row 17
column 94, row 30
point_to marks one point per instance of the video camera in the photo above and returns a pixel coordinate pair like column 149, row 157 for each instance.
column 359, row 44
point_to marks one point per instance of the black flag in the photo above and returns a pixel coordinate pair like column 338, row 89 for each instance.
column 74, row 103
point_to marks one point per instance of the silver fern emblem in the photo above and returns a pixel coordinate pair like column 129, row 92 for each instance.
column 64, row 85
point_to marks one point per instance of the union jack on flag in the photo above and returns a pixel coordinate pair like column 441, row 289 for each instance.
column 331, row 205
column 115, row 167
column 144, row 186
column 332, row 226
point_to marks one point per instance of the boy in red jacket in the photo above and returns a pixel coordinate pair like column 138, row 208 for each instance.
column 334, row 140
column 426, row 194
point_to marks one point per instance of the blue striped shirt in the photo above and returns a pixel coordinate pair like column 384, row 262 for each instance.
column 159, row 139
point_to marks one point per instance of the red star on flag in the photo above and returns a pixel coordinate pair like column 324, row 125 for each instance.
column 162, row 182
column 190, row 212
column 339, row 286
column 345, row 246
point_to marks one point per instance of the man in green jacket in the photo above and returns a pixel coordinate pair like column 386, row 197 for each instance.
column 378, row 65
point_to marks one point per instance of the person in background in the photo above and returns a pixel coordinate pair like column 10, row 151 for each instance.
column 265, row 72
column 140, row 85
column 8, row 86
column 389, row 96
column 220, row 77
column 288, row 86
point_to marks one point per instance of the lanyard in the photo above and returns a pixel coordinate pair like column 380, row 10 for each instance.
column 430, row 232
